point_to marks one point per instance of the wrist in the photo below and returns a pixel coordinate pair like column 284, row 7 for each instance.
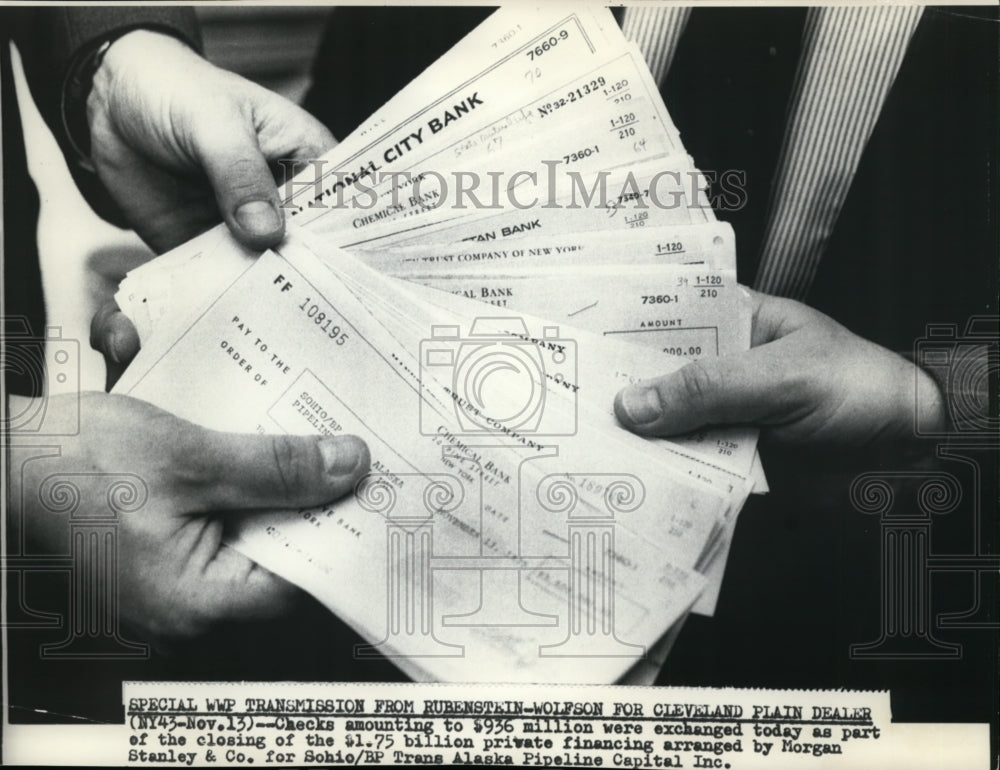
column 76, row 91
column 138, row 55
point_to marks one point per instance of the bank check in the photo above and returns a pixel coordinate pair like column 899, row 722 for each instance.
column 688, row 311
column 548, row 49
column 711, row 244
column 653, row 194
column 479, row 169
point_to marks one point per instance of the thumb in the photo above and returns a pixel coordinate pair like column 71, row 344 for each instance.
column 751, row 387
column 115, row 337
column 231, row 471
column 244, row 186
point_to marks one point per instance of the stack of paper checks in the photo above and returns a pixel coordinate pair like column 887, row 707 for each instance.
column 468, row 280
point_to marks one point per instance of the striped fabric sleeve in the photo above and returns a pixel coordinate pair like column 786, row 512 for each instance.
column 656, row 31
column 850, row 59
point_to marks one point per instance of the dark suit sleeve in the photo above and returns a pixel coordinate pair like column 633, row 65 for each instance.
column 53, row 40
column 72, row 31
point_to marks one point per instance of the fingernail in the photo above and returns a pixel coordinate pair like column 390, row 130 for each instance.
column 111, row 346
column 640, row 404
column 258, row 217
column 343, row 455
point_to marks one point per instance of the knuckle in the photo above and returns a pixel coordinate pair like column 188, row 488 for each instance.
column 798, row 388
column 291, row 471
column 244, row 178
column 698, row 383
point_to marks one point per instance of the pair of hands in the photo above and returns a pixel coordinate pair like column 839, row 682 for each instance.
column 179, row 143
